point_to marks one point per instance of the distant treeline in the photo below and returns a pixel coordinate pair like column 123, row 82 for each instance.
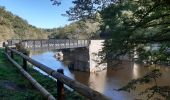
column 85, row 29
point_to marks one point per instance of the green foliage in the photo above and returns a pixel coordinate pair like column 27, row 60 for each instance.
column 152, row 76
column 28, row 92
column 135, row 27
column 141, row 27
column 9, row 74
column 77, row 30
column 14, row 27
column 160, row 91
column 131, row 23
column 163, row 91
column 85, row 9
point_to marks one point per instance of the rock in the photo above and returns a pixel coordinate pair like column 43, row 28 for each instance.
column 59, row 55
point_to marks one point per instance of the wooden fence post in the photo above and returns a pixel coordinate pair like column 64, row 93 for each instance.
column 48, row 43
column 59, row 43
column 4, row 45
column 84, row 43
column 25, row 62
column 53, row 43
column 65, row 41
column 6, row 49
column 34, row 44
column 60, row 87
column 12, row 55
column 41, row 42
column 69, row 43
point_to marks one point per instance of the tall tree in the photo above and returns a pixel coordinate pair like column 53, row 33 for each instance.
column 141, row 26
column 133, row 24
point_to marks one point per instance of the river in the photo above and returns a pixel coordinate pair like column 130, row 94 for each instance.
column 107, row 80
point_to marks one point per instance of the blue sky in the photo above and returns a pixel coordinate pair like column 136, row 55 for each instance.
column 40, row 13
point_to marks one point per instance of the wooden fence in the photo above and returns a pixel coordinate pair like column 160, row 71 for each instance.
column 61, row 78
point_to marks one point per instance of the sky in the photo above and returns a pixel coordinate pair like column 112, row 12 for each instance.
column 40, row 13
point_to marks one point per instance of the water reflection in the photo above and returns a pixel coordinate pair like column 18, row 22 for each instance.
column 47, row 58
column 97, row 81
column 108, row 80
column 135, row 71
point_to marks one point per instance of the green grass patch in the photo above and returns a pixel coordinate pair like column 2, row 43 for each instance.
column 8, row 72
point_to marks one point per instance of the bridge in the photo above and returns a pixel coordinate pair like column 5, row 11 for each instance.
column 50, row 43
column 91, row 57
column 58, row 75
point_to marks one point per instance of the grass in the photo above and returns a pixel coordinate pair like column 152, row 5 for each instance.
column 23, row 89
column 10, row 77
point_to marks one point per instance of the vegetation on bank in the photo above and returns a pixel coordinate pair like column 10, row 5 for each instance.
column 86, row 29
column 14, row 27
column 13, row 86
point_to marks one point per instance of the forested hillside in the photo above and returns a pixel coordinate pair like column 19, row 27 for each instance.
column 77, row 30
column 14, row 27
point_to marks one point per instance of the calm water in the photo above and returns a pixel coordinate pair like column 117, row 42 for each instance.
column 106, row 81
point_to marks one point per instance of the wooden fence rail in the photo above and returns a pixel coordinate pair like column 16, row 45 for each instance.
column 80, row 88
column 42, row 90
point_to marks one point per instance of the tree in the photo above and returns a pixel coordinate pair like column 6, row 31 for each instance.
column 85, row 9
column 134, row 25
column 77, row 30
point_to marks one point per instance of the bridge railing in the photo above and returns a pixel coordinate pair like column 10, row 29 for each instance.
column 12, row 42
column 55, row 43
column 79, row 87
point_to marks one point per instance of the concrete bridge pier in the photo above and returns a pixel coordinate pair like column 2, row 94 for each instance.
column 94, row 58
column 86, row 59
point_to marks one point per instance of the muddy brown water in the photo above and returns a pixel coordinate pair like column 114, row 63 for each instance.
column 107, row 80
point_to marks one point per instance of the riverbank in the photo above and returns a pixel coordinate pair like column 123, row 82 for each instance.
column 13, row 86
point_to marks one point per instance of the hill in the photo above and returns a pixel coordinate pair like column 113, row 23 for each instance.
column 14, row 27
column 85, row 29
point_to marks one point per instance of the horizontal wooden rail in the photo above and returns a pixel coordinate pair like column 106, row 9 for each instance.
column 43, row 91
column 79, row 87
